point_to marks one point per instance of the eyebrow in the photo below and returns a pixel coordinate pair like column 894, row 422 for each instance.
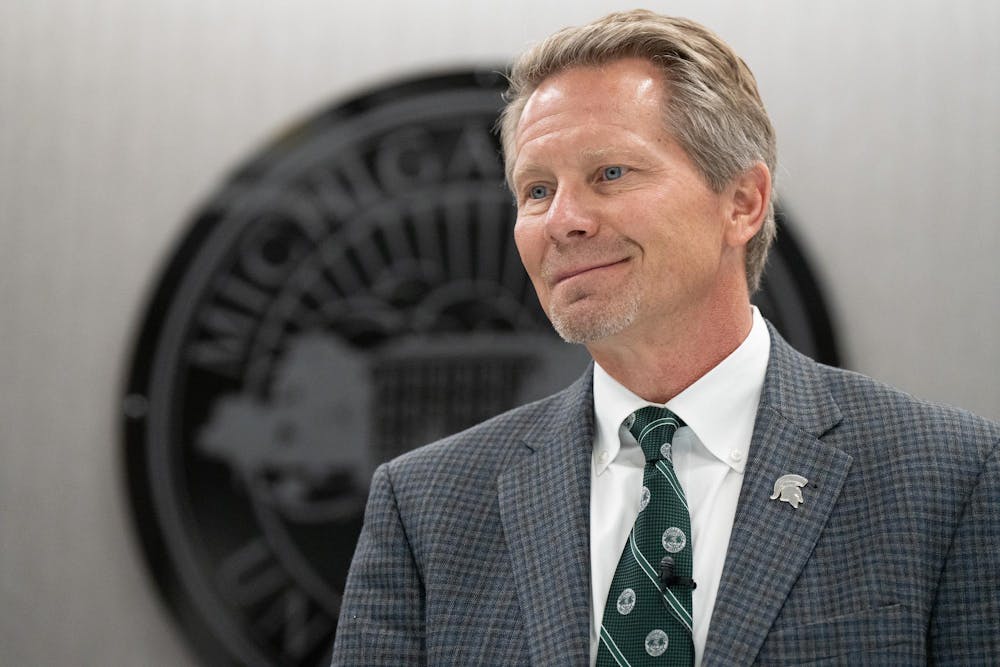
column 529, row 170
column 596, row 154
column 584, row 155
column 612, row 152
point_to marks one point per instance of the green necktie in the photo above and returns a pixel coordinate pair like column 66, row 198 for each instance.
column 646, row 622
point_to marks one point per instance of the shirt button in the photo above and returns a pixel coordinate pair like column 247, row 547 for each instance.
column 736, row 455
column 603, row 457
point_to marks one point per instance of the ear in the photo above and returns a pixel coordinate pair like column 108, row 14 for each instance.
column 749, row 197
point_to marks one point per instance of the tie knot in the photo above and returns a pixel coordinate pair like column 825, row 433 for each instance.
column 654, row 429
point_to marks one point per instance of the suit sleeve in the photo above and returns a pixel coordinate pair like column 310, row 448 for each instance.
column 965, row 622
column 382, row 611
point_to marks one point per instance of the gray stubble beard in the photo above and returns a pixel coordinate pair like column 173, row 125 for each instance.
column 596, row 324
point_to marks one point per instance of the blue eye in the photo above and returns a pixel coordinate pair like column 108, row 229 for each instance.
column 613, row 173
column 538, row 192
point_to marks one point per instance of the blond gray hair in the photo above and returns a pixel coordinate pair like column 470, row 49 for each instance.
column 713, row 110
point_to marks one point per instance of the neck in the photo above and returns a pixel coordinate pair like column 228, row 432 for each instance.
column 657, row 368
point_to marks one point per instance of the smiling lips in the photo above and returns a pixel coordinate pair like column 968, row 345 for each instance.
column 565, row 274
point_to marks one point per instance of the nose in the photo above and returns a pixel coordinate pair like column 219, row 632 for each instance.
column 571, row 216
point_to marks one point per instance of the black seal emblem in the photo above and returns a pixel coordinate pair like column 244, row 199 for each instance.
column 350, row 293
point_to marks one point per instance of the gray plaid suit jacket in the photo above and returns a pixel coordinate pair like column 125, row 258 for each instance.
column 475, row 549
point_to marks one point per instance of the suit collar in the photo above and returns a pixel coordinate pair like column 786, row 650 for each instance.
column 795, row 388
column 771, row 541
column 544, row 499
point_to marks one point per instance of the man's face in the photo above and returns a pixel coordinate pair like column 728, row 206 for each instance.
column 618, row 231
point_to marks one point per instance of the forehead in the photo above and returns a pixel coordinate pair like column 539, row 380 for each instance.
column 618, row 100
column 627, row 91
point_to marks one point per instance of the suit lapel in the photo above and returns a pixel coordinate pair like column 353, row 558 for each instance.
column 771, row 541
column 545, row 510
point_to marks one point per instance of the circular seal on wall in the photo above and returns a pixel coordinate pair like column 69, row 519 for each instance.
column 349, row 293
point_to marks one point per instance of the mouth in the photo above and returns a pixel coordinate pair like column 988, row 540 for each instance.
column 573, row 272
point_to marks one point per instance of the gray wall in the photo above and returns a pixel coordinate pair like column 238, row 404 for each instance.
column 118, row 117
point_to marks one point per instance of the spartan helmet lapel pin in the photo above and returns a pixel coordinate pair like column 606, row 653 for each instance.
column 788, row 489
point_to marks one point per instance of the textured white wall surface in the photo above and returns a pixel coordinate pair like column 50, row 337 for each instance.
column 117, row 118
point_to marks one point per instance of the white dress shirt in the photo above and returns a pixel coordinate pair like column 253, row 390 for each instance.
column 709, row 455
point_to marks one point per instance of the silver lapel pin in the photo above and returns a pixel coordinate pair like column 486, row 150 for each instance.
column 788, row 489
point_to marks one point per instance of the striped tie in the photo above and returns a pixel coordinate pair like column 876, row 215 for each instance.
column 646, row 622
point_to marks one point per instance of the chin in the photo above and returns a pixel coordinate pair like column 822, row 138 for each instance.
column 589, row 323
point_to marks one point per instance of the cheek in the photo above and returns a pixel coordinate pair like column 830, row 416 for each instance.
column 530, row 245
column 530, row 242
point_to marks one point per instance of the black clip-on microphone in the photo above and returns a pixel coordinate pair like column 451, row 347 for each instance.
column 670, row 580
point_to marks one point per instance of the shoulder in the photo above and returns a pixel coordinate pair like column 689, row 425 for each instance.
column 882, row 427
column 897, row 439
column 870, row 405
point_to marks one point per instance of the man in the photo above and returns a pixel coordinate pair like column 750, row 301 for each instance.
column 704, row 494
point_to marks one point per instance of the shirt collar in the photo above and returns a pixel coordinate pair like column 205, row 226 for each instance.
column 720, row 406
